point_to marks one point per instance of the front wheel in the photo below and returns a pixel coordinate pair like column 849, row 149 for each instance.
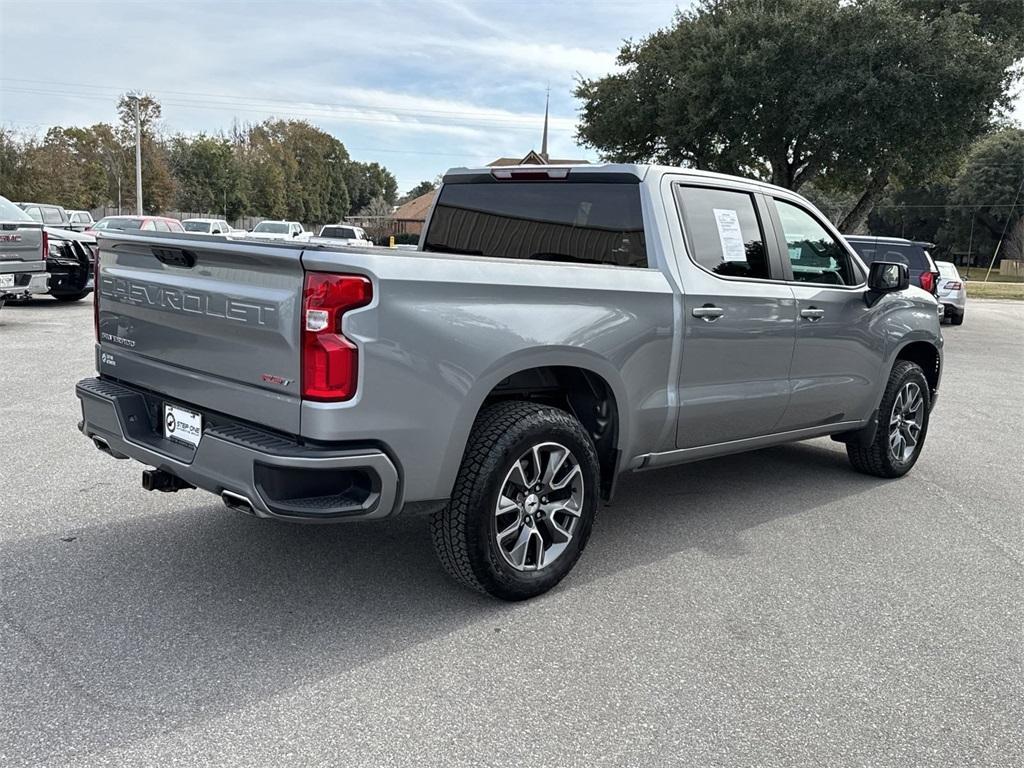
column 902, row 425
column 523, row 504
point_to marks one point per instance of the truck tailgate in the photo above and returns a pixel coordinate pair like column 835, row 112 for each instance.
column 209, row 323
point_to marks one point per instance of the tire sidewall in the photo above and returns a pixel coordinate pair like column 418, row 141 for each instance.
column 497, row 575
column 916, row 375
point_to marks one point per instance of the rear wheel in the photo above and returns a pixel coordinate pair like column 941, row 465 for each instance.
column 902, row 425
column 523, row 503
column 957, row 318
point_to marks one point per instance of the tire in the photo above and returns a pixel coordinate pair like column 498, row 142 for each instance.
column 957, row 318
column 482, row 547
column 67, row 298
column 881, row 457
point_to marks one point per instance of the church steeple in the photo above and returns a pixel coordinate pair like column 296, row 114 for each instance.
column 544, row 138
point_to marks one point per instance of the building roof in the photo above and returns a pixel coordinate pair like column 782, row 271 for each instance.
column 416, row 209
column 532, row 158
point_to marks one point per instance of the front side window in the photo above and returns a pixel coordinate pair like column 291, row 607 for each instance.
column 563, row 221
column 815, row 255
column 723, row 232
column 52, row 216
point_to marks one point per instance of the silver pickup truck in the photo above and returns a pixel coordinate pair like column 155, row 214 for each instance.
column 23, row 249
column 556, row 328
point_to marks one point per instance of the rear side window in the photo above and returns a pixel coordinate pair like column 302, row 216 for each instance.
column 723, row 232
column 35, row 213
column 914, row 256
column 570, row 222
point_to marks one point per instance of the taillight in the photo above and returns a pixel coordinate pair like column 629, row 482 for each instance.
column 96, row 295
column 951, row 286
column 928, row 281
column 46, row 245
column 330, row 362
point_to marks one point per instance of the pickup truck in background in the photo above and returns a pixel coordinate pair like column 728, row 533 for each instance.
column 23, row 248
column 341, row 234
column 559, row 326
column 280, row 230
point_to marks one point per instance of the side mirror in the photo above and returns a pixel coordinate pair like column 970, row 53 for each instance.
column 888, row 277
column 295, row 234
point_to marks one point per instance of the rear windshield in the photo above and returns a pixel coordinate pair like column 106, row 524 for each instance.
column 10, row 212
column 342, row 232
column 117, row 222
column 196, row 226
column 581, row 223
column 946, row 269
column 914, row 256
column 273, row 227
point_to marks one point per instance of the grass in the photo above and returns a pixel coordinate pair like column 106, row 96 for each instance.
column 995, row 290
column 978, row 273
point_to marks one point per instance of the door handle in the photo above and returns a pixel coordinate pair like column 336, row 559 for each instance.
column 813, row 314
column 708, row 313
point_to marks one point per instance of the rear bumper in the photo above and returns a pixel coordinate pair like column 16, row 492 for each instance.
column 277, row 476
column 953, row 303
column 28, row 279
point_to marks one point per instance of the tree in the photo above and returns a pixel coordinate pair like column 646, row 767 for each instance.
column 420, row 189
column 367, row 182
column 376, row 217
column 989, row 194
column 207, row 175
column 157, row 180
column 793, row 91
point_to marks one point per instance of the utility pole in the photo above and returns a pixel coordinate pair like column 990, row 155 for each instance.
column 137, row 97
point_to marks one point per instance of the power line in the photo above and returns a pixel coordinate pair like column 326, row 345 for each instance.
column 336, row 112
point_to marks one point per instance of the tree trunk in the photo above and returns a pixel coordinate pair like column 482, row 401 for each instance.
column 858, row 215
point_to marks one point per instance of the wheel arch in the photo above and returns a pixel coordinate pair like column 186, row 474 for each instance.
column 586, row 385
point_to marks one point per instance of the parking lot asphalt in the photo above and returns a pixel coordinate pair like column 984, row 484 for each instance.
column 770, row 609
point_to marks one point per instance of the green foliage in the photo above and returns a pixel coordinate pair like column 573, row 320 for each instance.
column 420, row 189
column 795, row 90
column 276, row 169
column 985, row 191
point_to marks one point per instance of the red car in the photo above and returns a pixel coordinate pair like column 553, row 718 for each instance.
column 129, row 223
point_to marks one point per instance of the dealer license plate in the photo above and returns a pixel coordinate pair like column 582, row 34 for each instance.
column 6, row 281
column 182, row 425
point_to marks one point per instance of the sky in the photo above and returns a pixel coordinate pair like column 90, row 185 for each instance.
column 418, row 86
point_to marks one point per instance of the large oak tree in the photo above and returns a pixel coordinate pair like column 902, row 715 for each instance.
column 794, row 91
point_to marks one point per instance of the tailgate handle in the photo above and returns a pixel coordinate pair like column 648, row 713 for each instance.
column 175, row 257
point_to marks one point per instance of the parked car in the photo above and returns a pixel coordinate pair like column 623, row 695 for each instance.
column 560, row 326
column 136, row 223
column 23, row 247
column 915, row 254
column 280, row 230
column 81, row 220
column 341, row 234
column 952, row 292
column 207, row 226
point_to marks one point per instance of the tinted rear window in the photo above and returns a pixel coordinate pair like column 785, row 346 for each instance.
column 912, row 255
column 340, row 232
column 583, row 223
